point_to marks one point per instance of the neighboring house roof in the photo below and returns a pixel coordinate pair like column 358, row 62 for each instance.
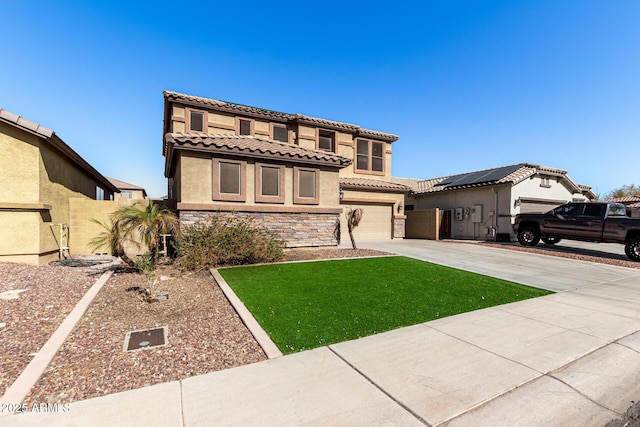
column 126, row 186
column 249, row 146
column 511, row 174
column 55, row 141
column 373, row 184
column 627, row 200
column 274, row 115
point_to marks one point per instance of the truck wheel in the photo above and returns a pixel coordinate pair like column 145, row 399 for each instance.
column 632, row 248
column 551, row 240
column 528, row 236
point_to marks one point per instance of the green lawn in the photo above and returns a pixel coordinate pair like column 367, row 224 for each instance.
column 313, row 304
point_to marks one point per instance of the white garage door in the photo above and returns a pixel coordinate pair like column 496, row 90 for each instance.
column 538, row 206
column 376, row 223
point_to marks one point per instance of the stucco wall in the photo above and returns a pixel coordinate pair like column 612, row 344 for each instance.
column 196, row 182
column 35, row 174
column 495, row 209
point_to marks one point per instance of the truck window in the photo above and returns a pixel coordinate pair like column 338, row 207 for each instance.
column 594, row 210
column 568, row 210
column 617, row 209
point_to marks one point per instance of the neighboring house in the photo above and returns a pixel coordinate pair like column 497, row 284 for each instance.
column 292, row 173
column 482, row 204
column 40, row 173
column 631, row 202
column 127, row 191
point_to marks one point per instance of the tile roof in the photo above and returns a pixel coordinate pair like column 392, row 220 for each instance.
column 372, row 184
column 625, row 200
column 124, row 185
column 55, row 141
column 250, row 146
column 512, row 174
column 276, row 115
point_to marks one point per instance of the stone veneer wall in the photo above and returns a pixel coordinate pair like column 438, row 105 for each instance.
column 399, row 227
column 296, row 229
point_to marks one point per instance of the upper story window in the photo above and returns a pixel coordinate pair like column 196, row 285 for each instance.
column 196, row 121
column 369, row 156
column 229, row 180
column 244, row 127
column 280, row 133
column 326, row 141
column 545, row 182
column 99, row 193
column 126, row 194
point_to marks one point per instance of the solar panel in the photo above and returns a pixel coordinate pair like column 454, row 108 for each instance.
column 478, row 177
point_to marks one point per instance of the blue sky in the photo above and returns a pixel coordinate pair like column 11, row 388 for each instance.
column 467, row 85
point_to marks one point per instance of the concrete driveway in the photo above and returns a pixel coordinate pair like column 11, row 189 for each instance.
column 542, row 271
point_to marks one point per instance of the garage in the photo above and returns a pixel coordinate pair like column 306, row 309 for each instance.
column 530, row 205
column 376, row 223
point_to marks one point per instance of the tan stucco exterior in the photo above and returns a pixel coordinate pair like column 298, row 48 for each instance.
column 191, row 170
column 194, row 175
column 36, row 182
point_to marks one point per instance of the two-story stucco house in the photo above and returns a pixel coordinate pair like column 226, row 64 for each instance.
column 39, row 175
column 292, row 173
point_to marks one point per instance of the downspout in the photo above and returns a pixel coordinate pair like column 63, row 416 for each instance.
column 495, row 215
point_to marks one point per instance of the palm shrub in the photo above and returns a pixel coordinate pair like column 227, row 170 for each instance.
column 226, row 241
column 139, row 223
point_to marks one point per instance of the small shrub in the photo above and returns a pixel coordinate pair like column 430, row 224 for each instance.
column 226, row 241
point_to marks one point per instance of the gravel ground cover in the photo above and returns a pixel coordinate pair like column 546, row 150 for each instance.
column 205, row 333
column 28, row 321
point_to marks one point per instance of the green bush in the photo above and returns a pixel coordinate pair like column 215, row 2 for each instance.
column 226, row 241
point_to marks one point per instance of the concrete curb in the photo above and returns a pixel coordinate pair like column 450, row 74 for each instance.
column 16, row 393
column 269, row 347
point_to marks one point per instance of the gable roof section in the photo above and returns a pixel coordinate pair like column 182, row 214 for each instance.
column 55, row 141
column 121, row 185
column 373, row 184
column 512, row 174
column 198, row 101
column 249, row 146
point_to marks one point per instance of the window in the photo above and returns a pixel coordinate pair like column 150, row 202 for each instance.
column 99, row 193
column 306, row 186
column 280, row 133
column 544, row 182
column 369, row 156
column 244, row 127
column 326, row 141
column 229, row 180
column 126, row 194
column 269, row 183
column 196, row 121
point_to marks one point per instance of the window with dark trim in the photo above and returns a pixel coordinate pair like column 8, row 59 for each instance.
column 326, row 141
column 280, row 133
column 306, row 186
column 369, row 156
column 244, row 127
column 269, row 183
column 196, row 121
column 229, row 180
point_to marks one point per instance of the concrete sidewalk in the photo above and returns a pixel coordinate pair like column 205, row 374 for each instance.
column 571, row 358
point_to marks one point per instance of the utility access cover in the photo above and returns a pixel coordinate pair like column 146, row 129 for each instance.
column 146, row 339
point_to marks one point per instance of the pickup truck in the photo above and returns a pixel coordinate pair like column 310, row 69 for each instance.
column 588, row 221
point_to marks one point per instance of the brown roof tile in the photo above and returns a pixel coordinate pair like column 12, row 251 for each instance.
column 124, row 185
column 373, row 184
column 261, row 112
column 254, row 147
